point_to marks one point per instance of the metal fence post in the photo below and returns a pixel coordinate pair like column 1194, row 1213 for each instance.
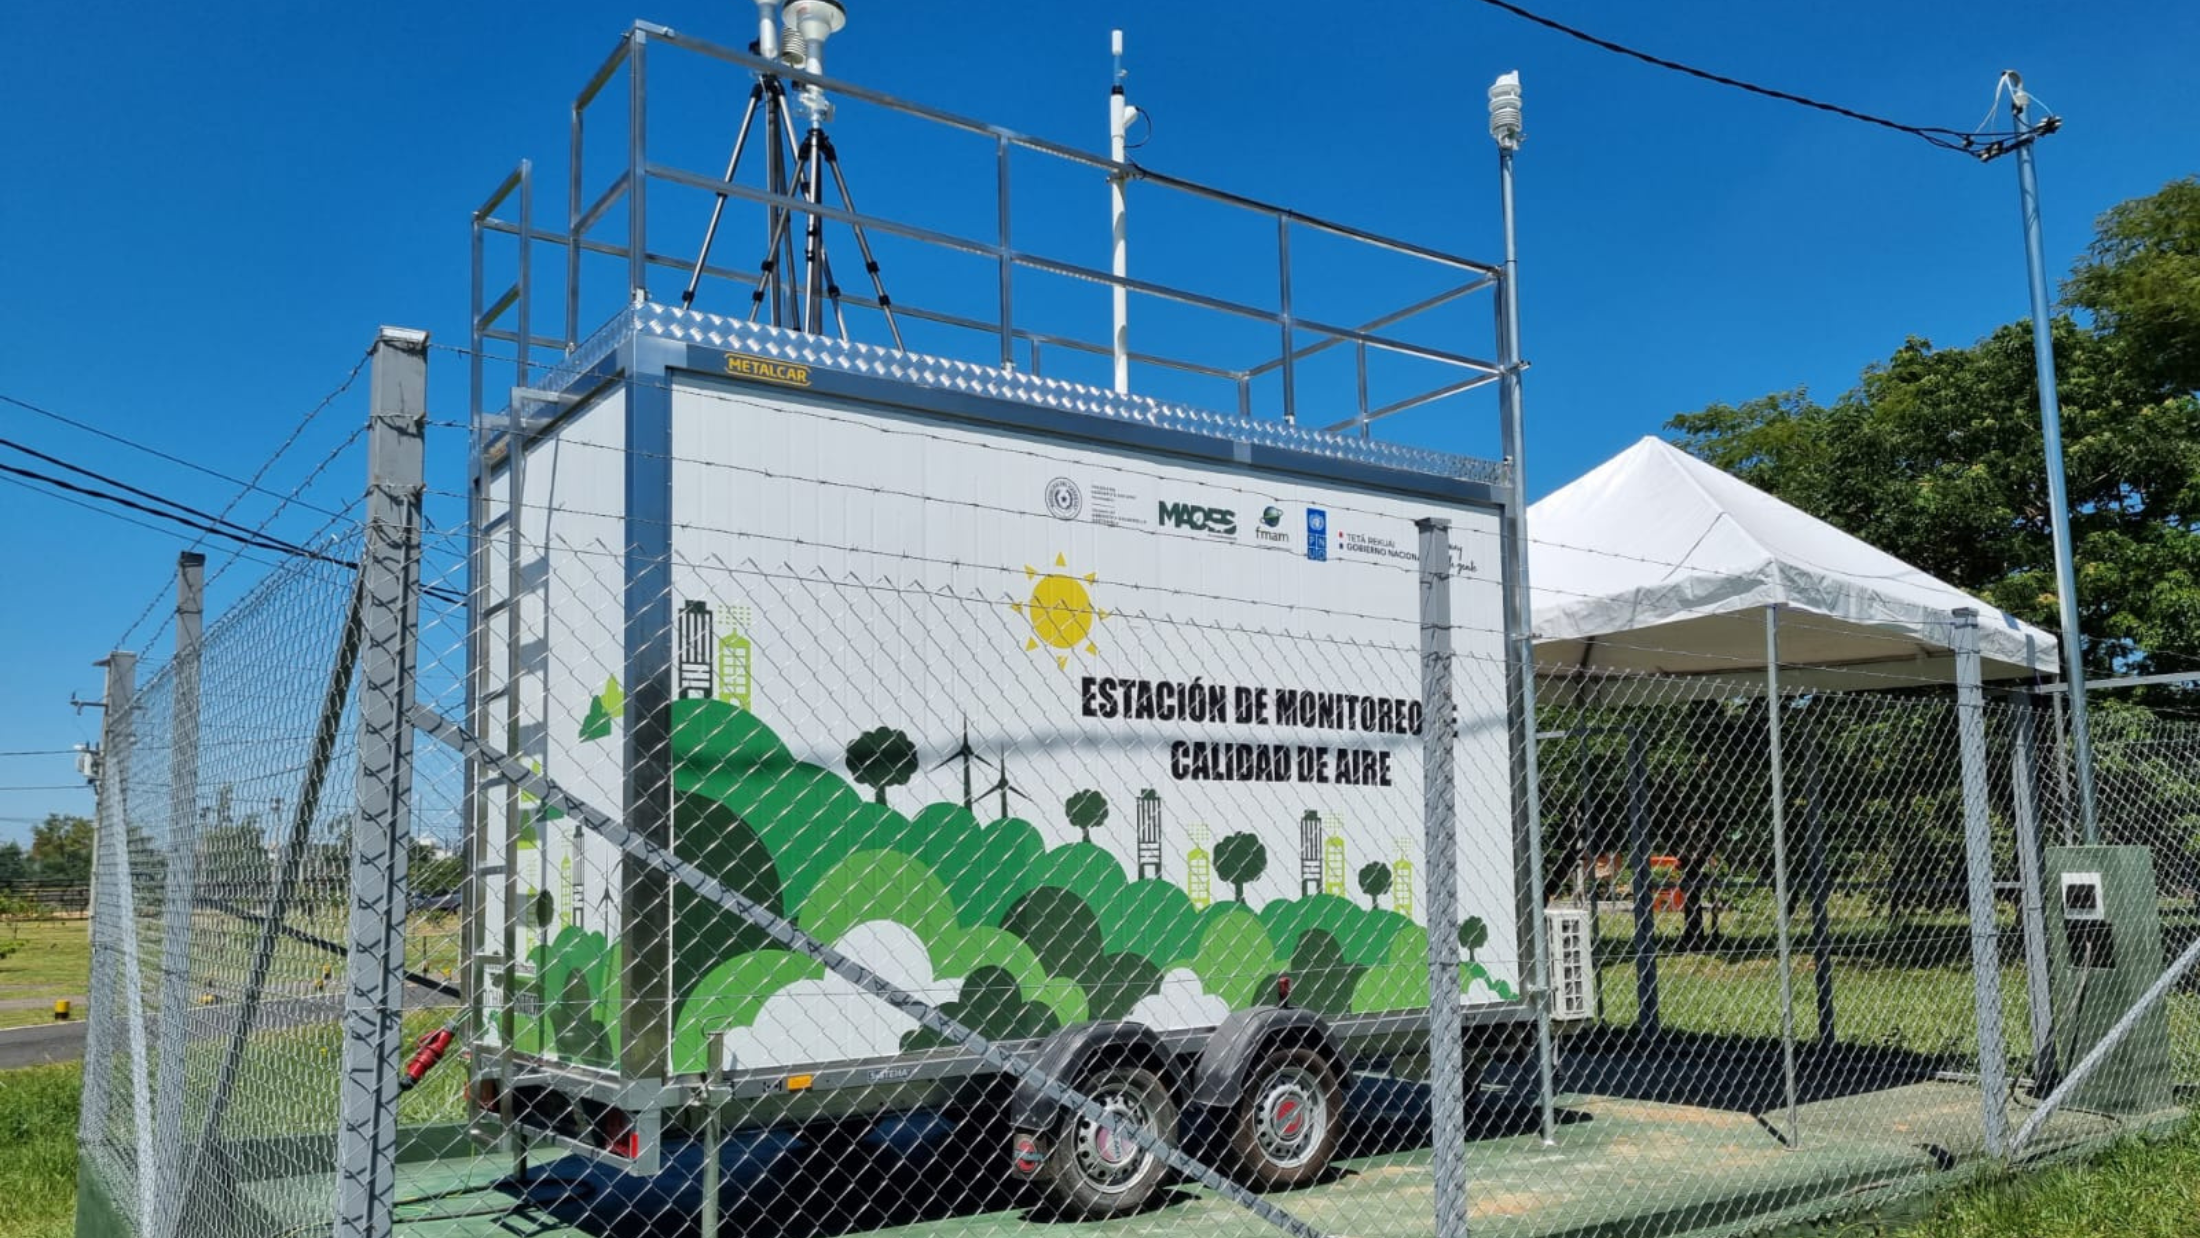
column 1781, row 905
column 2030, row 898
column 1638, row 865
column 1978, row 846
column 1820, row 879
column 389, row 565
column 179, row 884
column 1447, row 1098
column 714, row 1136
column 110, row 899
column 115, row 843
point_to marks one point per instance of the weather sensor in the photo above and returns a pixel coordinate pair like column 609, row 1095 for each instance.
column 1505, row 111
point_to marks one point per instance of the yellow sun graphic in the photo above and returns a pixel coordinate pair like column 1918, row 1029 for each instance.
column 1060, row 610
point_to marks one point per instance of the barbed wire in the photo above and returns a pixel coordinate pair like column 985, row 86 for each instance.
column 250, row 485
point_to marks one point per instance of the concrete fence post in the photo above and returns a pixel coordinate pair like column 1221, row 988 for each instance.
column 180, row 879
column 389, row 592
column 1439, row 798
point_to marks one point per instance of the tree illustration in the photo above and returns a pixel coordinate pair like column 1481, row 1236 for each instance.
column 1238, row 859
column 1374, row 882
column 1088, row 811
column 1473, row 935
column 881, row 757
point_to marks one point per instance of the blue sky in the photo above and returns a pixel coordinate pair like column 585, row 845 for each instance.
column 208, row 211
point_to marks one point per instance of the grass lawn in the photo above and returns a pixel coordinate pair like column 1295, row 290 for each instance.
column 1905, row 987
column 44, row 960
column 38, row 1166
column 2134, row 1189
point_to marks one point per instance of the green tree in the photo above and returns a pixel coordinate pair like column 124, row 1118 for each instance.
column 1374, row 882
column 2140, row 280
column 1936, row 455
column 432, row 870
column 15, row 867
column 1240, row 858
column 1473, row 935
column 234, row 862
column 61, row 849
column 881, row 757
column 1088, row 811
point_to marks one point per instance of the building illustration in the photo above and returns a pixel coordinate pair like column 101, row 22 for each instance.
column 1333, row 866
column 1310, row 853
column 1149, row 835
column 571, row 900
column 1401, row 880
column 692, row 640
column 1199, row 871
column 576, row 882
column 734, row 669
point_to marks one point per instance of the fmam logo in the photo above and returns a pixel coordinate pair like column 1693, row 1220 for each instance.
column 1317, row 533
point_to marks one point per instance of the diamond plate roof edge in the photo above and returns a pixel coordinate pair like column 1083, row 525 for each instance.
column 713, row 330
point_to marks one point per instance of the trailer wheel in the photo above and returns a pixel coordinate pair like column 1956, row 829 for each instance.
column 1094, row 1173
column 1286, row 1125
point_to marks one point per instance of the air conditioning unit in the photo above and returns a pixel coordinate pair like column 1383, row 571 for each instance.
column 1573, row 977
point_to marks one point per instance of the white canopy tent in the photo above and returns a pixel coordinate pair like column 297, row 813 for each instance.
column 1658, row 564
column 1655, row 562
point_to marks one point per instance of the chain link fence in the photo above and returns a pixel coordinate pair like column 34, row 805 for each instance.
column 862, row 888
column 222, row 866
column 791, row 787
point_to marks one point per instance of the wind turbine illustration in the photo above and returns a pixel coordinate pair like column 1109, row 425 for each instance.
column 966, row 754
column 1002, row 784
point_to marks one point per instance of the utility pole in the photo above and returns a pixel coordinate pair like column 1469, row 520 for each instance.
column 2058, row 499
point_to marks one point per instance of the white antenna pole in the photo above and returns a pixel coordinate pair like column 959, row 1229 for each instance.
column 1120, row 115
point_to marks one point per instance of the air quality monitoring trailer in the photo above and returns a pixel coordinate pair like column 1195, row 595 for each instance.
column 1092, row 722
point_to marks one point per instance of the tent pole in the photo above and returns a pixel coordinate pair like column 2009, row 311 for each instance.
column 1779, row 867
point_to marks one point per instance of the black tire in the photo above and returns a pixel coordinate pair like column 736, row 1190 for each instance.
column 1284, row 1129
column 1089, row 1173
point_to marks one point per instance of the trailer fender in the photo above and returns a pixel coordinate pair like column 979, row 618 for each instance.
column 1068, row 1054
column 1219, row 1077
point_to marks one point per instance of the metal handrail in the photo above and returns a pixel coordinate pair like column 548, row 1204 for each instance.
column 629, row 184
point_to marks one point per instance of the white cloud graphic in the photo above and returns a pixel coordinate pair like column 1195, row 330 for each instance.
column 830, row 1019
column 1182, row 1002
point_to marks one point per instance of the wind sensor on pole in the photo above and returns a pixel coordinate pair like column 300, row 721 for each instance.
column 794, row 35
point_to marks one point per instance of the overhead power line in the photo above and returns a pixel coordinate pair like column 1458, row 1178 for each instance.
column 1972, row 143
column 188, row 517
column 156, row 453
column 202, row 519
column 161, row 507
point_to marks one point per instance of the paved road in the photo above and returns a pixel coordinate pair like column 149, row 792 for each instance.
column 41, row 1043
column 64, row 1042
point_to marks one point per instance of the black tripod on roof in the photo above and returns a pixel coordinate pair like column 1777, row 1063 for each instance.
column 801, row 43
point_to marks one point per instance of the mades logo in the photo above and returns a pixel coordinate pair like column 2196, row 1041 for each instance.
column 1317, row 533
